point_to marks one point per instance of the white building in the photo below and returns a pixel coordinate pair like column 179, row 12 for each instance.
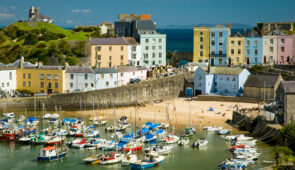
column 106, row 78
column 153, row 48
column 79, row 78
column 134, row 52
column 270, row 47
column 8, row 80
column 127, row 73
column 193, row 66
column 105, row 28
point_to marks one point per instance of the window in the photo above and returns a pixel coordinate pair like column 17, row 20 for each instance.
column 154, row 47
column 48, row 76
column 102, row 76
column 201, row 39
column 111, row 76
column 220, row 34
column 201, row 33
column 160, row 55
column 7, row 84
column 237, row 59
column 85, row 76
column 200, row 84
column 232, row 42
column 221, row 77
column 134, row 48
column 220, row 52
column 234, row 78
column 256, row 60
column 201, row 53
column 55, row 77
column 239, row 51
column 110, row 48
column 122, row 48
column 232, row 51
column 256, row 51
column 56, row 85
column 98, row 57
column 49, row 85
column 98, row 65
column 29, row 83
column 98, row 48
column 24, row 75
column 42, row 84
column 110, row 57
column 200, row 77
column 248, row 51
column 154, row 63
column 220, row 43
column 212, row 34
column 29, row 75
column 122, row 57
column 86, row 85
column 71, row 85
column 153, row 40
column 160, row 62
column 283, row 41
column 256, row 42
column 122, row 74
column 282, row 58
column 212, row 42
column 239, row 43
column 10, row 75
column 154, row 55
column 213, row 53
column 160, row 40
column 248, row 42
column 235, row 86
column 271, row 58
column 201, row 47
column 107, row 84
column 227, row 78
column 160, row 47
column 271, row 41
column 110, row 64
column 92, row 85
column 282, row 49
column 146, row 47
column 72, row 76
column 271, row 49
column 147, row 40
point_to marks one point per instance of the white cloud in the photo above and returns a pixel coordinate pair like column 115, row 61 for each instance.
column 69, row 21
column 12, row 7
column 5, row 16
column 81, row 10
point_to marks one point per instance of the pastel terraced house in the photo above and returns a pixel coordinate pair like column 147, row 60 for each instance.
column 201, row 45
column 236, row 50
column 106, row 78
column 225, row 81
column 253, row 49
column 270, row 47
column 286, row 46
column 218, row 44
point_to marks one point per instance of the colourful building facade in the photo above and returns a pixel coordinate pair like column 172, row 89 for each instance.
column 285, row 49
column 201, row 44
column 253, row 49
column 236, row 50
column 218, row 45
column 41, row 79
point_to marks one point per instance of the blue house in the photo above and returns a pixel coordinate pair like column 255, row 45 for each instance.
column 253, row 49
column 106, row 78
column 218, row 45
column 225, row 81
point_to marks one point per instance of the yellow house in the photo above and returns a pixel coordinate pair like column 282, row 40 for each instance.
column 41, row 79
column 201, row 44
column 236, row 49
column 107, row 52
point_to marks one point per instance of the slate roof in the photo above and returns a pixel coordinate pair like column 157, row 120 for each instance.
column 225, row 70
column 79, row 69
column 105, row 70
column 253, row 34
column 131, row 40
column 127, row 68
column 145, row 25
column 288, row 86
column 189, row 80
column 276, row 33
column 45, row 67
column 2, row 65
column 237, row 34
column 108, row 41
column 261, row 81
column 25, row 64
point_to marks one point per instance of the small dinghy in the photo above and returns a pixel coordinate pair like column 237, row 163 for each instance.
column 111, row 158
column 161, row 150
column 51, row 153
column 200, row 142
column 183, row 141
column 150, row 160
column 222, row 132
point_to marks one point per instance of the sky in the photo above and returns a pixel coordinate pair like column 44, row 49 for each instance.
column 68, row 13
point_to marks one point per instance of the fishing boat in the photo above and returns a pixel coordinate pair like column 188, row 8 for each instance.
column 128, row 159
column 54, row 141
column 200, row 142
column 222, row 132
column 150, row 137
column 39, row 139
column 91, row 134
column 170, row 139
column 94, row 159
column 111, row 158
column 78, row 143
column 51, row 153
column 109, row 145
column 7, row 135
column 183, row 141
column 25, row 139
column 150, row 160
column 61, row 132
column 132, row 146
column 95, row 143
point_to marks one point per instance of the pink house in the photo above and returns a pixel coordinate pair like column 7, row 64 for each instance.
column 286, row 49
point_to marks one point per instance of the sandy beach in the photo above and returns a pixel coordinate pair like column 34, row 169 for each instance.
column 178, row 111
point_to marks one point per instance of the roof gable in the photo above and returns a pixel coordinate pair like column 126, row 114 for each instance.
column 261, row 81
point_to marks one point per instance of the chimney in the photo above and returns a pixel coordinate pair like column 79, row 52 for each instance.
column 261, row 32
column 66, row 65
column 229, row 25
column 245, row 32
column 40, row 63
column 21, row 62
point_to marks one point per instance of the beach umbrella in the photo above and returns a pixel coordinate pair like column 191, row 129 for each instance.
column 210, row 108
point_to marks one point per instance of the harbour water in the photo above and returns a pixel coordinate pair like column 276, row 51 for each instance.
column 17, row 156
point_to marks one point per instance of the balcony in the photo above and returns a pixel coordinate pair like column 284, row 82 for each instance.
column 217, row 55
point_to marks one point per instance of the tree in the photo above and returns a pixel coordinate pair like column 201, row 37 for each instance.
column 288, row 134
column 31, row 39
column 65, row 47
column 72, row 61
column 53, row 50
column 283, row 155
column 169, row 55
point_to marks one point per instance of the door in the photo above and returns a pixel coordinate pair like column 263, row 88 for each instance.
column 229, row 61
column 248, row 61
column 212, row 61
column 49, row 91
